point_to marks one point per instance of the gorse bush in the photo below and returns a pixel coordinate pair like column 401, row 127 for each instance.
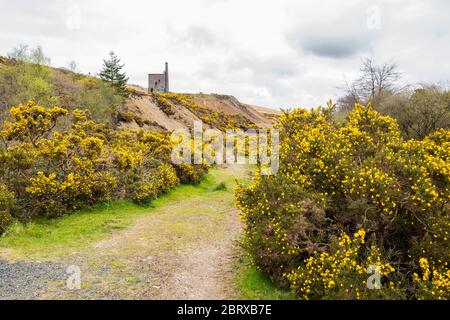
column 343, row 272
column 50, row 172
column 219, row 120
column 164, row 104
column 191, row 174
column 434, row 281
column 6, row 203
column 336, row 179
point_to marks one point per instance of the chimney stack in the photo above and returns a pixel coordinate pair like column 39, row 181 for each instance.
column 166, row 74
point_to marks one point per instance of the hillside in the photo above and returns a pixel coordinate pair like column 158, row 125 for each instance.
column 146, row 107
column 154, row 112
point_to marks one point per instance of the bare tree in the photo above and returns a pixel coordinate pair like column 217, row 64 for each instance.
column 73, row 66
column 375, row 83
column 38, row 57
column 34, row 55
column 21, row 53
column 376, row 79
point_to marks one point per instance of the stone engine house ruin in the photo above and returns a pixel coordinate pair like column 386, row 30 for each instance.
column 159, row 82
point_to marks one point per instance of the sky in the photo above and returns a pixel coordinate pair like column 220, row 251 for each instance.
column 278, row 54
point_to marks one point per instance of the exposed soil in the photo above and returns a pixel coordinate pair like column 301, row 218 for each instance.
column 146, row 108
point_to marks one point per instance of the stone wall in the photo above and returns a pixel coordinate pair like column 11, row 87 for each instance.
column 157, row 82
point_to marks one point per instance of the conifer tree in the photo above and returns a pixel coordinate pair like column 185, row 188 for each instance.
column 112, row 73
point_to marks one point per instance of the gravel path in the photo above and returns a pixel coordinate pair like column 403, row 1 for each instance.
column 27, row 280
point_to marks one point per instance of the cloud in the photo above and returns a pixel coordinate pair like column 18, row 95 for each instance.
column 193, row 37
column 273, row 66
column 291, row 53
column 332, row 45
column 344, row 34
column 200, row 36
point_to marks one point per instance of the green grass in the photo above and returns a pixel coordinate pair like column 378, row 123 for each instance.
column 71, row 232
column 74, row 232
column 252, row 284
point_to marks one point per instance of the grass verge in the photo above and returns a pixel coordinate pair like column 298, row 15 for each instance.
column 67, row 234
column 252, row 284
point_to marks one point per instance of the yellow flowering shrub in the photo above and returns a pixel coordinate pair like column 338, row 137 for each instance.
column 191, row 174
column 434, row 281
column 344, row 177
column 155, row 184
column 219, row 120
column 31, row 122
column 6, row 203
column 54, row 162
column 343, row 273
column 164, row 104
column 5, row 219
column 143, row 164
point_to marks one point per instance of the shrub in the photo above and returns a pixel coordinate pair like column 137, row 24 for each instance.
column 22, row 81
column 5, row 220
column 420, row 112
column 101, row 99
column 343, row 272
column 341, row 178
column 127, row 117
column 219, row 120
column 52, row 172
column 158, row 182
column 221, row 187
column 434, row 281
column 6, row 203
column 31, row 122
column 66, row 170
column 191, row 174
column 164, row 104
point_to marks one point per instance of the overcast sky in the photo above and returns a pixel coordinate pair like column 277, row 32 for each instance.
column 279, row 53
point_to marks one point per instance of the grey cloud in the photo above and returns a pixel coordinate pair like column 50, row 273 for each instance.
column 31, row 18
column 274, row 67
column 332, row 46
column 336, row 36
column 34, row 20
column 221, row 46
column 256, row 79
column 196, row 36
column 199, row 36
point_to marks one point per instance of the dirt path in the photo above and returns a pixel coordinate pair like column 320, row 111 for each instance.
column 204, row 271
column 184, row 249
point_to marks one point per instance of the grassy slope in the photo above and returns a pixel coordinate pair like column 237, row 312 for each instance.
column 47, row 239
